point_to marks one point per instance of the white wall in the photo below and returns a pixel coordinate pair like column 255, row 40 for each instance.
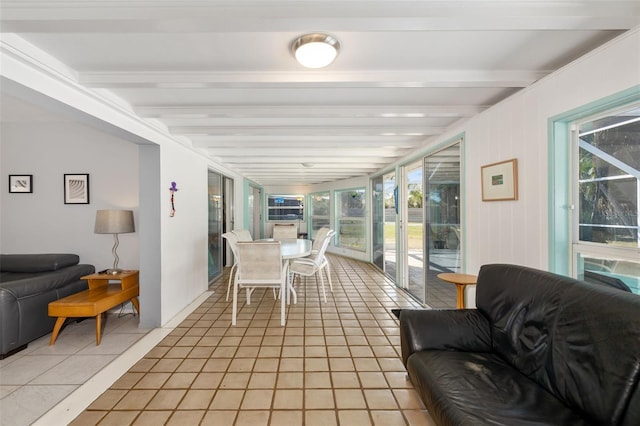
column 184, row 236
column 40, row 222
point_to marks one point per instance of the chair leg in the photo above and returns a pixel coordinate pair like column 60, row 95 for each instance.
column 329, row 275
column 230, row 278
column 324, row 294
column 234, row 309
column 283, row 302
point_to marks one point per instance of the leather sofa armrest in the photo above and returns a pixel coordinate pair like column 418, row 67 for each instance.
column 459, row 329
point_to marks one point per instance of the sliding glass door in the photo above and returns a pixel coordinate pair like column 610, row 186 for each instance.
column 414, row 229
column 216, row 222
column 442, row 222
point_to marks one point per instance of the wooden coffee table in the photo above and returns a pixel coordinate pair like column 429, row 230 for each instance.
column 461, row 281
column 100, row 297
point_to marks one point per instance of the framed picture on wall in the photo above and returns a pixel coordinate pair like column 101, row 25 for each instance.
column 500, row 181
column 21, row 184
column 76, row 188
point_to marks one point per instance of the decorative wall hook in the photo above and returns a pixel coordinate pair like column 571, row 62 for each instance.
column 173, row 190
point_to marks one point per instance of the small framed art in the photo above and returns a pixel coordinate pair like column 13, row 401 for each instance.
column 76, row 188
column 21, row 184
column 500, row 181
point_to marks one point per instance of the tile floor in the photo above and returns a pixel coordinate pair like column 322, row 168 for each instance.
column 333, row 363
column 36, row 379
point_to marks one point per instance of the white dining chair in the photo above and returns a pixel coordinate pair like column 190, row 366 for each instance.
column 316, row 263
column 259, row 265
column 285, row 231
column 243, row 234
column 232, row 240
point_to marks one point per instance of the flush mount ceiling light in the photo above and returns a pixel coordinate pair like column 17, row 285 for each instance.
column 315, row 50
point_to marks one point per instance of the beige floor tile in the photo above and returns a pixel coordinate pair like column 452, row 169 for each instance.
column 354, row 417
column 380, row 399
column 197, row 399
column 166, row 365
column 316, row 364
column 235, row 380
column 317, row 380
column 152, row 418
column 292, row 364
column 266, row 365
column 314, row 340
column 216, row 364
column 289, row 380
column 387, row 418
column 286, row 418
column 398, row 380
column 366, row 364
column 241, row 364
column 179, row 380
column 349, row 398
column 135, row 399
column 320, row 417
column 119, row 418
column 200, row 352
column 408, row 399
column 152, row 381
column 252, row 418
column 182, row 418
column 257, row 399
column 206, row 380
column 391, row 364
column 178, row 352
column 127, row 380
column 166, row 399
column 341, row 364
column 288, row 399
column 219, row 417
column 342, row 379
column 108, row 399
column 262, row 381
column 318, row 399
column 227, row 399
column 269, row 352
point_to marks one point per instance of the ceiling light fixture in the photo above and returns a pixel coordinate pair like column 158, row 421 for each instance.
column 315, row 50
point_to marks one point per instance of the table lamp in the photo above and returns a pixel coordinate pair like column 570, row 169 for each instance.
column 114, row 222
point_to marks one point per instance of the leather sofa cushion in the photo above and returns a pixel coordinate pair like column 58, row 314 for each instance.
column 31, row 284
column 37, row 262
column 467, row 388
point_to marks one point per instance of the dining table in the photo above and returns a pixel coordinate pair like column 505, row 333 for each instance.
column 293, row 249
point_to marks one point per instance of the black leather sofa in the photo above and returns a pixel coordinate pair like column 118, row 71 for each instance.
column 28, row 282
column 540, row 349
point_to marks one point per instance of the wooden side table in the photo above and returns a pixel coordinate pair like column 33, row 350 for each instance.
column 100, row 297
column 461, row 281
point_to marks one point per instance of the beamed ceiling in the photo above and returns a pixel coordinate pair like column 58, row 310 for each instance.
column 219, row 76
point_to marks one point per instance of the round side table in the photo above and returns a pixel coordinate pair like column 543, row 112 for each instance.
column 461, row 281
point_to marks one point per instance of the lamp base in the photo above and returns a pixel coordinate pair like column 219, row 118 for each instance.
column 114, row 271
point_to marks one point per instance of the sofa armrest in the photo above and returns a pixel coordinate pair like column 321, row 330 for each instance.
column 455, row 329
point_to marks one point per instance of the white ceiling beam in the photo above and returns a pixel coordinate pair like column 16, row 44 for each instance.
column 303, row 131
column 344, row 79
column 325, row 142
column 279, row 160
column 306, row 150
column 204, row 111
column 188, row 16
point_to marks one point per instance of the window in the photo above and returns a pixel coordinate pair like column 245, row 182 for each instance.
column 350, row 218
column 607, row 196
column 285, row 208
column 319, row 208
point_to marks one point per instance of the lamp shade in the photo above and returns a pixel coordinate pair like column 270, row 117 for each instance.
column 315, row 50
column 114, row 222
